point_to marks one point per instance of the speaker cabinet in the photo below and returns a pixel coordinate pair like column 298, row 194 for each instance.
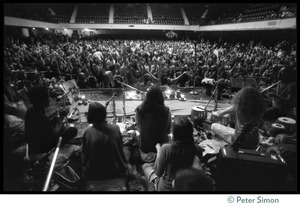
column 248, row 170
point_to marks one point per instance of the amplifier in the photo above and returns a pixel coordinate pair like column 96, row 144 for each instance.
column 249, row 170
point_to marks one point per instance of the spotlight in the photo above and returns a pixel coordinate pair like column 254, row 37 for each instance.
column 46, row 28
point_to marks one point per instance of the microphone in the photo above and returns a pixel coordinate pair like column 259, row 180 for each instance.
column 58, row 98
column 109, row 100
column 119, row 81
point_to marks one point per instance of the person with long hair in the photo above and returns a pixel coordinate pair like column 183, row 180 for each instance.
column 171, row 157
column 153, row 120
column 248, row 107
column 285, row 98
column 102, row 153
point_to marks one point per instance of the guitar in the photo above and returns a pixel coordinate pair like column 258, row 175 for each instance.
column 74, row 115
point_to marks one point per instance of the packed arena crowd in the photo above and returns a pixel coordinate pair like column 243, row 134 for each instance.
column 104, row 63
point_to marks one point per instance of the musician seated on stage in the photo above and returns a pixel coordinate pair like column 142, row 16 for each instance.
column 285, row 98
column 42, row 133
column 248, row 107
column 14, row 143
column 153, row 119
column 192, row 179
column 179, row 154
column 102, row 152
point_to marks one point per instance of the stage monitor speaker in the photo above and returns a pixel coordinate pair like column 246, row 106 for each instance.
column 237, row 83
column 248, row 170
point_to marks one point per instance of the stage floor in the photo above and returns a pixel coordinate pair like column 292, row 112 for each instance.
column 177, row 107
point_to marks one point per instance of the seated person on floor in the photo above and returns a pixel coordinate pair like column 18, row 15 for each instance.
column 248, row 106
column 14, row 144
column 14, row 114
column 102, row 153
column 42, row 133
column 285, row 98
column 192, row 179
column 180, row 153
column 153, row 120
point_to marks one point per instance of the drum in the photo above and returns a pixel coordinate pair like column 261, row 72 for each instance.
column 276, row 129
column 224, row 120
column 198, row 115
column 288, row 123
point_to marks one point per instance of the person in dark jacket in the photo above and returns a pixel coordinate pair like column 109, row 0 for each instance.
column 102, row 153
column 41, row 132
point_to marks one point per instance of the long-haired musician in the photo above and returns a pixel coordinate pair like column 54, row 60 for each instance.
column 153, row 120
column 248, row 107
column 171, row 157
column 285, row 98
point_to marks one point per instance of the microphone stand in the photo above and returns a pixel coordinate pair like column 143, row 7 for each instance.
column 52, row 165
column 243, row 84
column 216, row 96
column 193, row 92
column 123, row 90
column 114, row 107
column 114, row 110
column 124, row 84
column 109, row 100
column 213, row 94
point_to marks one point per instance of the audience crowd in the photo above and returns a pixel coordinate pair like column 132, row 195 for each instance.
column 104, row 63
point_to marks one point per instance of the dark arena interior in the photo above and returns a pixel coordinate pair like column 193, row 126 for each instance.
column 152, row 97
